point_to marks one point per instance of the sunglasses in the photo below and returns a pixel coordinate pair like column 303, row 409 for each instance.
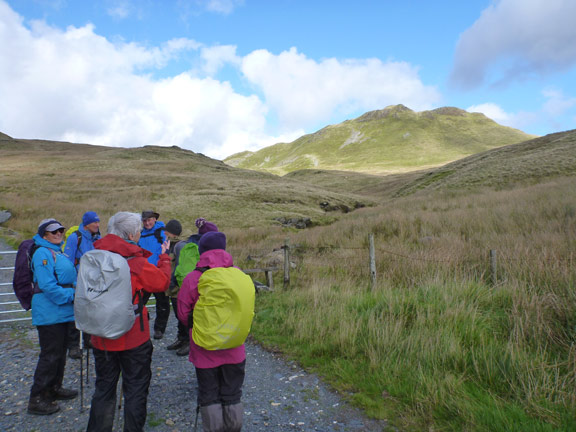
column 59, row 230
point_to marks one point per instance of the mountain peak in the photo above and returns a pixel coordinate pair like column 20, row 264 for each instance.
column 389, row 111
column 447, row 111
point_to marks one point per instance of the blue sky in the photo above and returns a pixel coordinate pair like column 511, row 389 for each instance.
column 223, row 76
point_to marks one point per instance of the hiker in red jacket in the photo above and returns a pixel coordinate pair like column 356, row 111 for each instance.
column 130, row 354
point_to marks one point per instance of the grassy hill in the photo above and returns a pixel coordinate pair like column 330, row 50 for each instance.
column 532, row 161
column 393, row 140
column 63, row 180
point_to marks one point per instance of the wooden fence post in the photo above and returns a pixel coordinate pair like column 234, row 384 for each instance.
column 493, row 267
column 286, row 263
column 372, row 262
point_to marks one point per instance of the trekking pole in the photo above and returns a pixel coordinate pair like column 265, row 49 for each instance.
column 81, row 374
column 120, row 400
column 87, row 364
column 196, row 421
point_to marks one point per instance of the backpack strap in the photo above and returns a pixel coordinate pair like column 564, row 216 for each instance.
column 33, row 250
column 157, row 233
column 140, row 308
column 78, row 241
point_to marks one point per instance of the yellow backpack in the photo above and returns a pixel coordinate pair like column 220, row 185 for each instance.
column 223, row 314
column 69, row 231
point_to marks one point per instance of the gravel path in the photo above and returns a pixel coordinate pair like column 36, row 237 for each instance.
column 278, row 394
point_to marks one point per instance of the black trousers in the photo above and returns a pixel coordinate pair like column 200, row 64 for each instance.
column 220, row 385
column 134, row 365
column 182, row 329
column 52, row 360
column 162, row 309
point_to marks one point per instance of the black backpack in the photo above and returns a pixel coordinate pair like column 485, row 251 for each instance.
column 157, row 233
column 23, row 280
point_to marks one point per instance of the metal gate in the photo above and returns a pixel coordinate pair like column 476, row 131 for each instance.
column 10, row 309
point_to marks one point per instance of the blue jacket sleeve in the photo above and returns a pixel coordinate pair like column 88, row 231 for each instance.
column 44, row 263
column 71, row 246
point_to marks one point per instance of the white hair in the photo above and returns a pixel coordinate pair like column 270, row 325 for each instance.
column 125, row 223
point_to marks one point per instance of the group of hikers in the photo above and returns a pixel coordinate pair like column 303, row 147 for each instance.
column 196, row 275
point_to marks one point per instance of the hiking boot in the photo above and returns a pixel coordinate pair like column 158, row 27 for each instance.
column 39, row 405
column 176, row 344
column 184, row 350
column 75, row 353
column 158, row 334
column 62, row 393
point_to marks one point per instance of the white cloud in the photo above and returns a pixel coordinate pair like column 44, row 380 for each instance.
column 216, row 57
column 492, row 111
column 221, row 6
column 75, row 85
column 557, row 103
column 305, row 92
column 516, row 39
column 119, row 10
column 189, row 8
column 554, row 113
column 518, row 120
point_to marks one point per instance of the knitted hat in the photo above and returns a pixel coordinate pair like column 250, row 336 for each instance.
column 174, row 227
column 205, row 226
column 48, row 225
column 90, row 217
column 150, row 214
column 211, row 240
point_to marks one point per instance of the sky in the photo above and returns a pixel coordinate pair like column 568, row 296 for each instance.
column 222, row 76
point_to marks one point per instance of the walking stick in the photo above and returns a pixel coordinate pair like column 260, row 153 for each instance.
column 196, row 421
column 120, row 400
column 87, row 364
column 81, row 373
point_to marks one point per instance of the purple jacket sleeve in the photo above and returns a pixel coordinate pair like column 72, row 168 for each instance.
column 188, row 296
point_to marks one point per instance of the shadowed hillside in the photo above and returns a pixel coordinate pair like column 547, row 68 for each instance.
column 532, row 161
column 393, row 140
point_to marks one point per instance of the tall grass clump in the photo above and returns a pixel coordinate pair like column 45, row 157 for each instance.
column 437, row 344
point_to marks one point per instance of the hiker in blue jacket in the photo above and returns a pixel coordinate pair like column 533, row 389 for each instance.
column 52, row 310
column 151, row 239
column 82, row 241
column 77, row 244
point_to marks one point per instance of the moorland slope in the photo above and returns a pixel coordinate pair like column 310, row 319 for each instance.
column 46, row 178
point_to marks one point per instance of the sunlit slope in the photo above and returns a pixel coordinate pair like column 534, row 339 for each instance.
column 393, row 140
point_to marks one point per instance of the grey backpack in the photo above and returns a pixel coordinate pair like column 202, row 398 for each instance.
column 103, row 304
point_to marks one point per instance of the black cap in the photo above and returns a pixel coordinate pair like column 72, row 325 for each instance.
column 174, row 227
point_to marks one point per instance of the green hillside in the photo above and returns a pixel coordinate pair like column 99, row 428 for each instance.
column 393, row 140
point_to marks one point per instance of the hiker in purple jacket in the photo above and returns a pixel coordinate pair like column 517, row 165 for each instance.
column 220, row 373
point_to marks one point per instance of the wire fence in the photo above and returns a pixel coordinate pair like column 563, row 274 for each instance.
column 369, row 262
